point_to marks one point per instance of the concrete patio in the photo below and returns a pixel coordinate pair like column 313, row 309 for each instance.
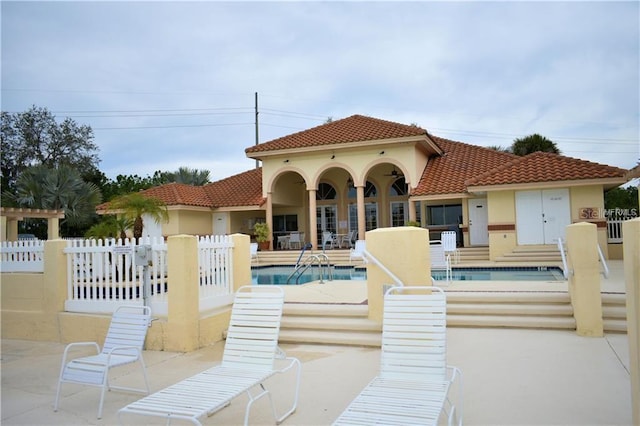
column 511, row 376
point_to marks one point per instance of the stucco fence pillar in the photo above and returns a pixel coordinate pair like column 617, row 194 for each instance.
column 584, row 278
column 404, row 251
column 185, row 328
column 631, row 236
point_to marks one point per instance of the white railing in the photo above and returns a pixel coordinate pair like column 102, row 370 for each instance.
column 101, row 274
column 603, row 262
column 614, row 230
column 215, row 259
column 22, row 256
column 565, row 268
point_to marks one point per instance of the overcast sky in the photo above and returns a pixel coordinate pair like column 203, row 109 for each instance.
column 171, row 84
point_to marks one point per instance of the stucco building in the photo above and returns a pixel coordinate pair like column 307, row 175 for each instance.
column 362, row 173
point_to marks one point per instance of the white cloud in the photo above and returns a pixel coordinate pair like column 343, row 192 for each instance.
column 482, row 72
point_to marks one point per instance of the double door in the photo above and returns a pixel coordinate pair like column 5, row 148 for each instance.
column 542, row 215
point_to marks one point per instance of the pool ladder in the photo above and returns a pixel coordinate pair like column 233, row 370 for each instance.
column 308, row 262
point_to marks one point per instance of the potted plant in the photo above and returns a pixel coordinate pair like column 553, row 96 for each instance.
column 262, row 233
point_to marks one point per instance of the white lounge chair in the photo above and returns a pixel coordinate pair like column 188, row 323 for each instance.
column 253, row 250
column 123, row 345
column 250, row 356
column 414, row 383
column 450, row 243
column 358, row 251
column 440, row 261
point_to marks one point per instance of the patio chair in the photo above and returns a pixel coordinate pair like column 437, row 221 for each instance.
column 253, row 250
column 348, row 240
column 414, row 383
column 449, row 241
column 250, row 356
column 440, row 261
column 358, row 251
column 328, row 238
column 295, row 240
column 123, row 345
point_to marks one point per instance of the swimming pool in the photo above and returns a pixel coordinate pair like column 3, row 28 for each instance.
column 280, row 274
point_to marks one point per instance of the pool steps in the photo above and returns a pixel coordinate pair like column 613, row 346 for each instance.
column 346, row 324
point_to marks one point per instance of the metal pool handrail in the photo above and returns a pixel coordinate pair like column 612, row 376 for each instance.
column 565, row 267
column 308, row 262
column 381, row 266
column 604, row 262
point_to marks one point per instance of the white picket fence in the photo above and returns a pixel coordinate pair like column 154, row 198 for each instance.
column 614, row 230
column 104, row 274
column 22, row 256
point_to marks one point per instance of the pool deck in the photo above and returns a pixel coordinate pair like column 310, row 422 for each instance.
column 511, row 376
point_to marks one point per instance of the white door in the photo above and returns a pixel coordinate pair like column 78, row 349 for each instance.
column 478, row 222
column 529, row 217
column 556, row 215
column 542, row 216
column 150, row 227
column 219, row 223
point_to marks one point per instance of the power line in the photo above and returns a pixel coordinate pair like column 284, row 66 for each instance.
column 172, row 126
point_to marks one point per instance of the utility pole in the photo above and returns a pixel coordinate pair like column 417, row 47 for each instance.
column 256, row 105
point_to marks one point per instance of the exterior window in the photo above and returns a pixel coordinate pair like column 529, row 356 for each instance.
column 326, row 191
column 445, row 214
column 371, row 217
column 285, row 223
column 398, row 188
column 370, row 191
column 399, row 213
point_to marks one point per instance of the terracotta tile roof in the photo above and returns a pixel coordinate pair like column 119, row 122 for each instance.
column 447, row 174
column 179, row 194
column 545, row 167
column 356, row 128
column 243, row 189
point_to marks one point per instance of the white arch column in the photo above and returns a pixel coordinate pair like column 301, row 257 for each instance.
column 269, row 218
column 313, row 219
column 362, row 225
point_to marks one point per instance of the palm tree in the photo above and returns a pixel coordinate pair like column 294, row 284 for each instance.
column 190, row 176
column 110, row 226
column 533, row 143
column 134, row 205
column 59, row 188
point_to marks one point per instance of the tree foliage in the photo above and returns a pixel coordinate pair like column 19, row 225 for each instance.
column 35, row 138
column 61, row 188
column 133, row 206
column 621, row 198
column 533, row 143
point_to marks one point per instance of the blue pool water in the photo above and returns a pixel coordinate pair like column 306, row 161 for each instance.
column 280, row 274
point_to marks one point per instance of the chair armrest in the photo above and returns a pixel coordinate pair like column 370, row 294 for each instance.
column 77, row 345
column 125, row 349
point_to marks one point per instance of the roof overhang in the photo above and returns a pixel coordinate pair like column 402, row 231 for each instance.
column 424, row 142
column 20, row 213
column 606, row 183
column 441, row 197
column 239, row 208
